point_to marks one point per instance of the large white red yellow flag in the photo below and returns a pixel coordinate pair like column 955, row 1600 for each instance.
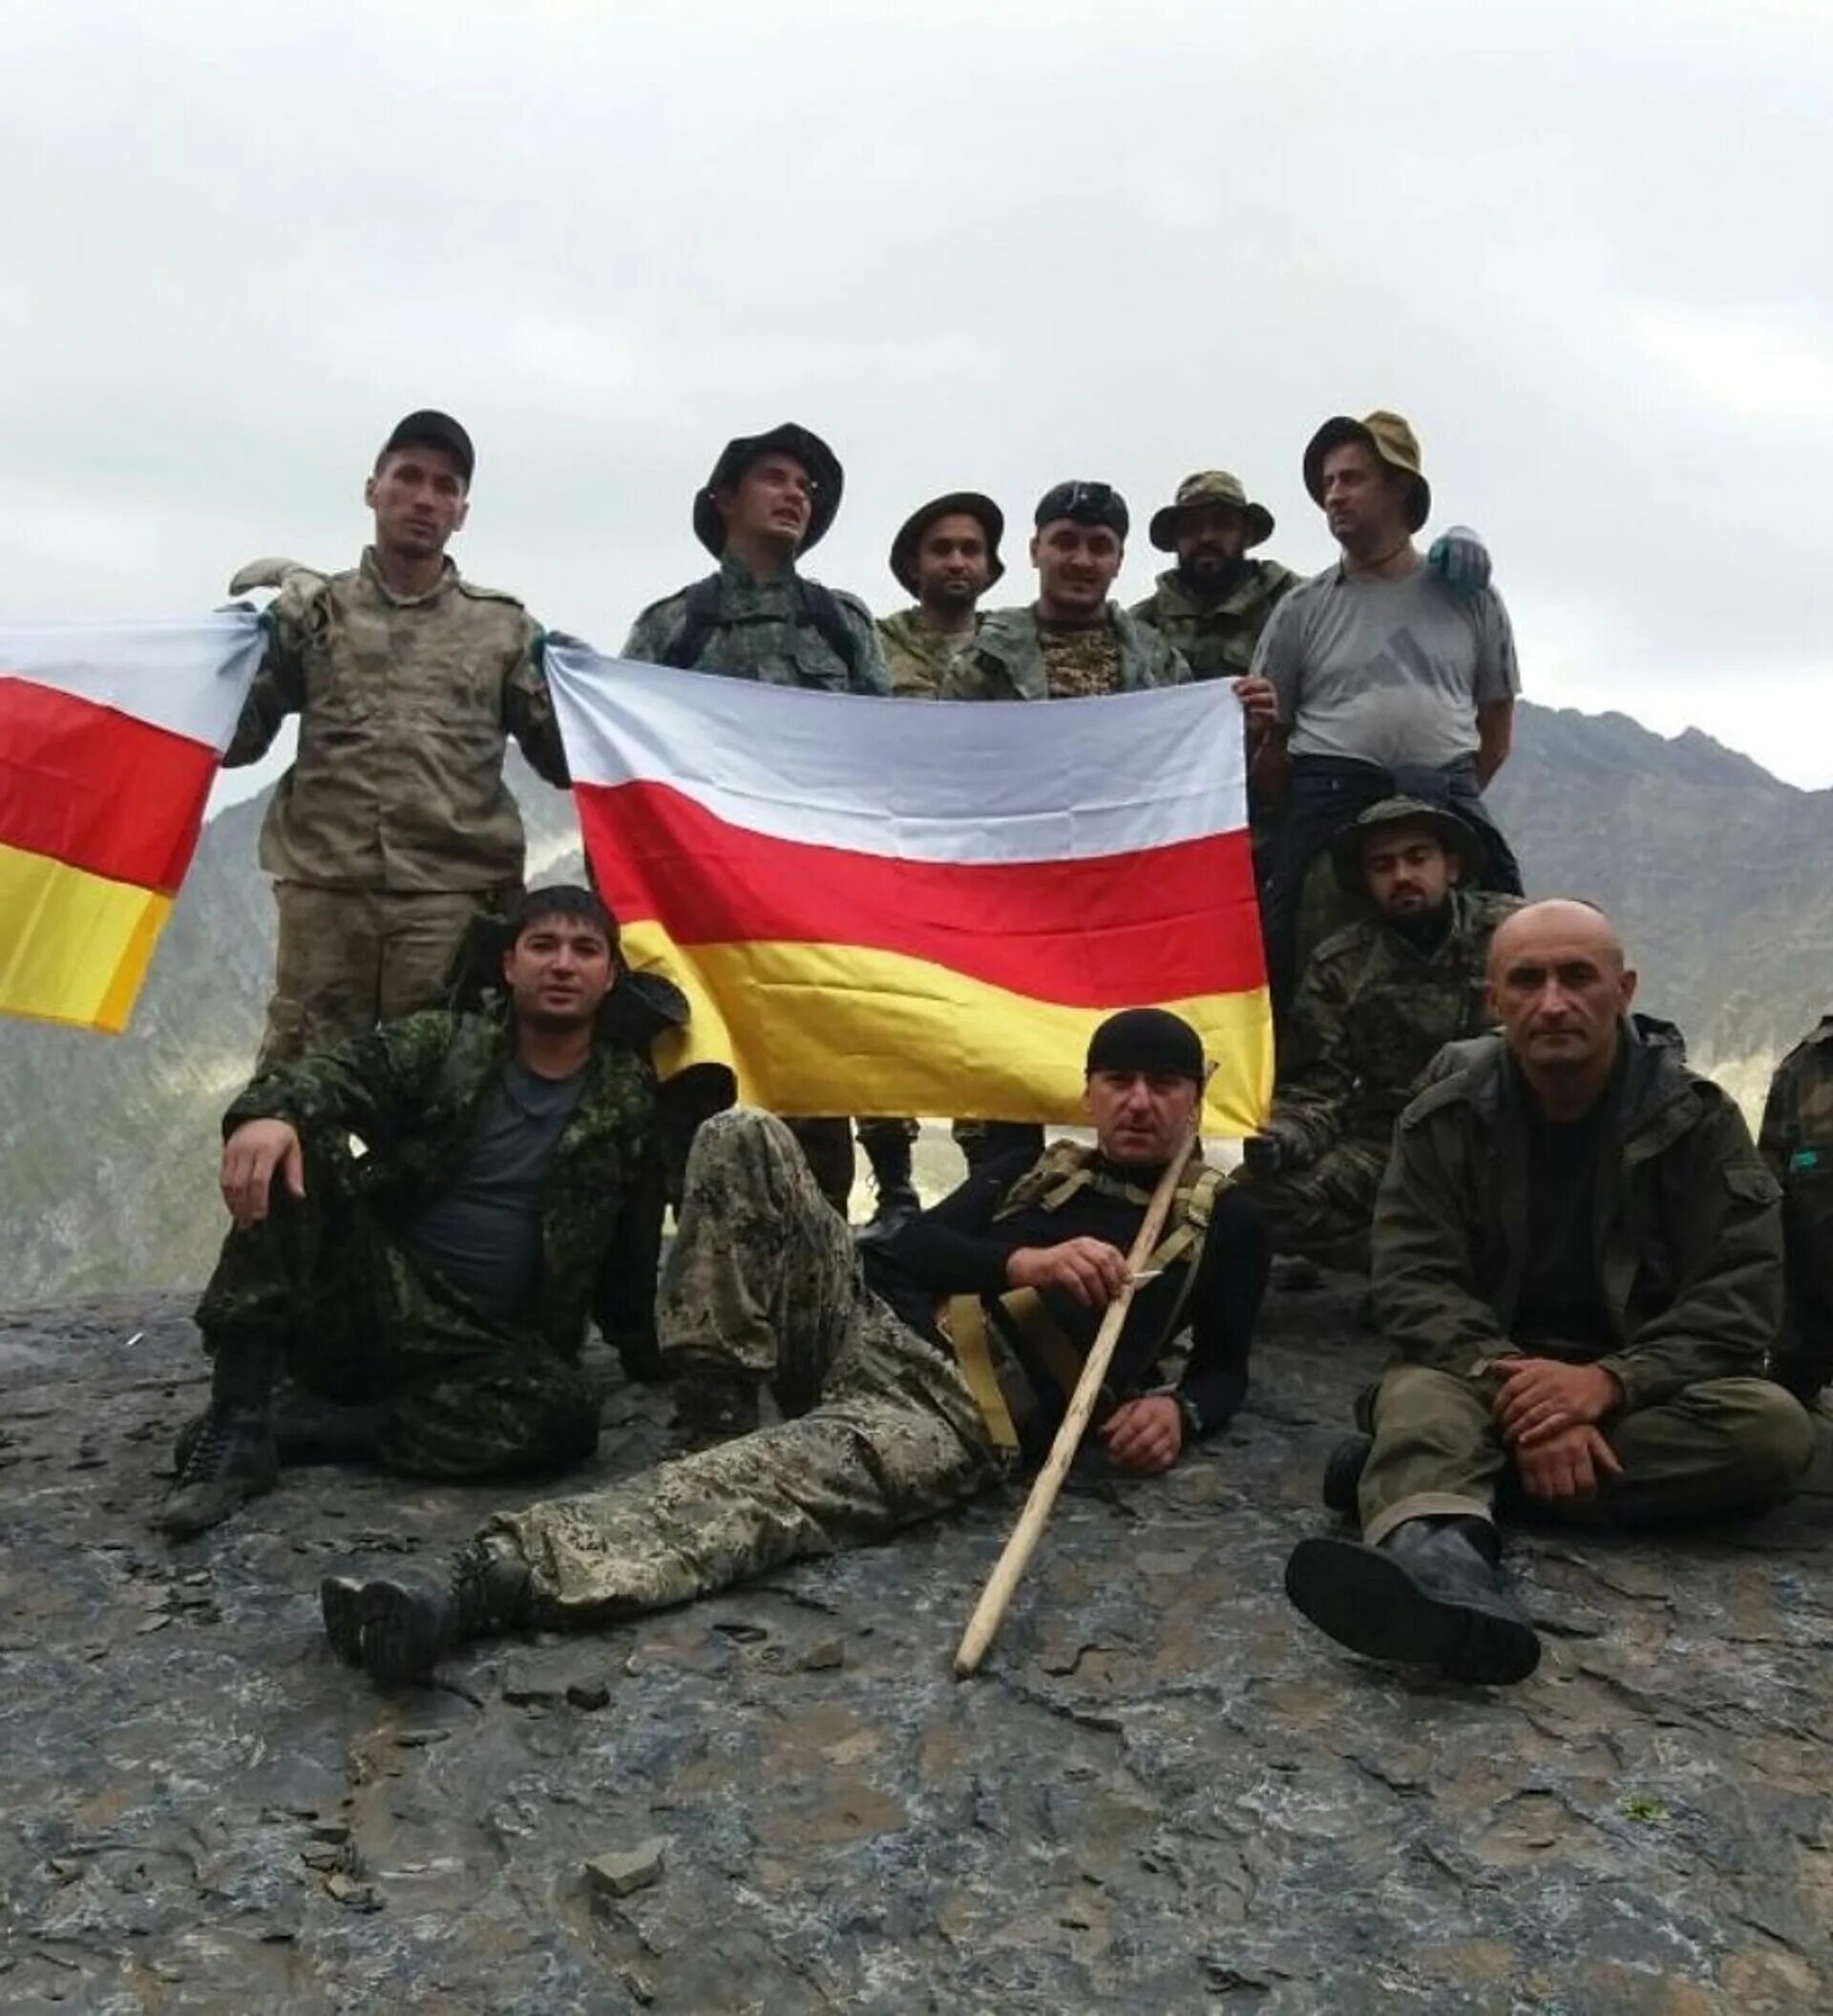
column 110, row 738
column 883, row 907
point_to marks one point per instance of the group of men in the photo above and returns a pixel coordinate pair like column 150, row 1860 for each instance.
column 1603, row 1303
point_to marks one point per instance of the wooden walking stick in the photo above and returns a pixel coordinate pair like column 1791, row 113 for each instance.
column 1012, row 1564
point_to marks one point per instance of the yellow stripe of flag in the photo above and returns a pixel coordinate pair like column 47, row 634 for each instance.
column 73, row 946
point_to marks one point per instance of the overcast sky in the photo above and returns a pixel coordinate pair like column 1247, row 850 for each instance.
column 1582, row 247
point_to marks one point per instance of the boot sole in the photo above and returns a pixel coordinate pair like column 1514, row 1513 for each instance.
column 1367, row 1601
column 399, row 1642
column 340, row 1602
column 179, row 1521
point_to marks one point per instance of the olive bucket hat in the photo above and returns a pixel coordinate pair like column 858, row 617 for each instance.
column 1456, row 836
column 801, row 445
column 1389, row 439
column 1208, row 490
column 966, row 503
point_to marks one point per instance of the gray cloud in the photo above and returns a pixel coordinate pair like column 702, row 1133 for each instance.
column 1579, row 246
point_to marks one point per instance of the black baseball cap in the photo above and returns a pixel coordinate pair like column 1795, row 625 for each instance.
column 1084, row 504
column 429, row 428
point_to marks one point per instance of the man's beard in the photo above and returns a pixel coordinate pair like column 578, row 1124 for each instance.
column 1210, row 580
column 1425, row 929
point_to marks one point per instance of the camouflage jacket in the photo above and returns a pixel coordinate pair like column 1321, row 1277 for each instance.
column 1797, row 1141
column 1007, row 661
column 404, row 703
column 414, row 1090
column 762, row 631
column 1372, row 1012
column 1217, row 643
column 916, row 656
column 1688, row 1238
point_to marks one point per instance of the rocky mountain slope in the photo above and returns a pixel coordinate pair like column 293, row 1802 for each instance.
column 1717, row 871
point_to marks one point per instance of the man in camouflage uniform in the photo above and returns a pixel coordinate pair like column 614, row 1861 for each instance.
column 947, row 556
column 1579, row 1258
column 769, row 499
column 1796, row 1142
column 1070, row 643
column 426, row 1303
column 889, row 1417
column 394, row 828
column 1378, row 1002
column 1214, row 604
column 1073, row 642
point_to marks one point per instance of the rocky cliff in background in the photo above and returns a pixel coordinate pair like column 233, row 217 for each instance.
column 1716, row 870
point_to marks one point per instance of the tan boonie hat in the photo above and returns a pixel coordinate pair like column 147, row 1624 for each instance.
column 1208, row 490
column 1387, row 436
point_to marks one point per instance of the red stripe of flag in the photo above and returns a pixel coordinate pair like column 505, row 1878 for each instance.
column 92, row 787
column 1170, row 924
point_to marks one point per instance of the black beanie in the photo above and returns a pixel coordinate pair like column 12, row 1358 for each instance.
column 1147, row 1040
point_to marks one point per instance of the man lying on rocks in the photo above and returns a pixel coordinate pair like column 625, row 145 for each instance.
column 424, row 1306
column 911, row 1372
column 1578, row 1256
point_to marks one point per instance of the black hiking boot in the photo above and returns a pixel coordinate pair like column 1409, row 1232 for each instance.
column 399, row 1626
column 890, row 1175
column 226, row 1455
column 1343, row 1473
column 1428, row 1595
column 712, row 1403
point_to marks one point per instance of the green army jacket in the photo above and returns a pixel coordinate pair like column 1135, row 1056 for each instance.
column 1007, row 661
column 413, row 1092
column 405, row 704
column 1796, row 1141
column 1687, row 1237
column 1373, row 1011
column 916, row 656
column 762, row 630
column 1217, row 643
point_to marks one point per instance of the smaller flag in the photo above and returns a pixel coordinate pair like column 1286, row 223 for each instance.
column 110, row 738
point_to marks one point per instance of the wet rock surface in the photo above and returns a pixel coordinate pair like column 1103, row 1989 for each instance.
column 1165, row 1792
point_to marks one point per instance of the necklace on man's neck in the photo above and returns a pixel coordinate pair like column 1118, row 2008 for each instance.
column 1374, row 566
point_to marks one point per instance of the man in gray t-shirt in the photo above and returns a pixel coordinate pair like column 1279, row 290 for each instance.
column 1391, row 670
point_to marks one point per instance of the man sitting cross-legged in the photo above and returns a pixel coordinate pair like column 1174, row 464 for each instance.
column 906, row 1387
column 1578, row 1256
column 426, row 1303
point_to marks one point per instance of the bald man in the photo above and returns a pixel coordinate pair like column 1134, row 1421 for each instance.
column 1577, row 1255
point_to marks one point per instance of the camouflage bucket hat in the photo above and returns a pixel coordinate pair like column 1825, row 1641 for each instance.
column 801, row 445
column 1208, row 490
column 1456, row 836
column 967, row 503
column 1386, row 436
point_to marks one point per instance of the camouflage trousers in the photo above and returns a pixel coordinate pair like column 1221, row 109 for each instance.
column 1719, row 1446
column 363, row 1322
column 1323, row 1211
column 879, row 1431
column 349, row 959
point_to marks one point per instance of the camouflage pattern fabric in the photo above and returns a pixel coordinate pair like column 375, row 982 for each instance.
column 1323, row 1210
column 349, row 959
column 881, row 1431
column 1216, row 640
column 1796, row 1142
column 918, row 657
column 413, row 1092
column 1010, row 660
column 404, row 703
column 763, row 633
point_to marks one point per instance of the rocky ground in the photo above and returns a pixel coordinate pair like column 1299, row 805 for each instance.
column 1165, row 1792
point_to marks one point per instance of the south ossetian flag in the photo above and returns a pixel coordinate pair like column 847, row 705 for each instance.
column 885, row 907
column 109, row 737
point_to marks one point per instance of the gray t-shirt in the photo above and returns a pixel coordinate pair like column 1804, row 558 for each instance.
column 1389, row 672
column 483, row 1230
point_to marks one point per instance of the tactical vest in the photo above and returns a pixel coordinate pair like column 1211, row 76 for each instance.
column 814, row 607
column 1022, row 1317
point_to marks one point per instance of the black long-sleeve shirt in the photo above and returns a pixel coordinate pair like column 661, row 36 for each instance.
column 958, row 1248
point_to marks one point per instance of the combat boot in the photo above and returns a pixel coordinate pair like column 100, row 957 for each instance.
column 713, row 1402
column 227, row 1454
column 1428, row 1595
column 398, row 1627
column 888, row 1154
column 1343, row 1473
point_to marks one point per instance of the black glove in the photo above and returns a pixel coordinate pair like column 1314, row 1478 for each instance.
column 1280, row 1145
